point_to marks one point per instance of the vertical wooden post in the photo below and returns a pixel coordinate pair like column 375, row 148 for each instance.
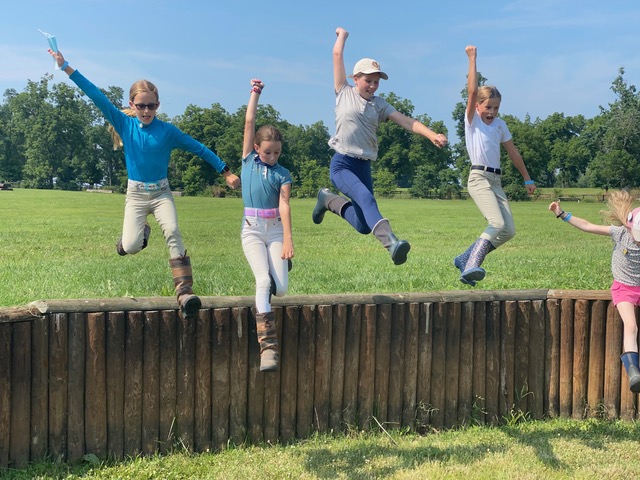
column 338, row 344
column 306, row 371
column 322, row 374
column 523, row 392
column 580, row 357
column 410, row 388
column 366, row 378
column 58, row 384
column 220, row 355
column 465, row 384
column 493, row 352
column 452, row 364
column 5, row 393
column 289, row 374
column 382, row 362
column 439, row 364
column 597, row 338
column 566, row 356
column 255, row 384
column 39, row 387
column 537, row 359
column 239, row 372
column 168, row 379
column 272, row 391
column 397, row 382
column 351, row 364
column 20, row 394
column 151, row 365
column 133, row 351
column 115, row 360
column 507, row 358
column 425, row 358
column 552, row 359
column 612, row 373
column 96, row 386
column 77, row 384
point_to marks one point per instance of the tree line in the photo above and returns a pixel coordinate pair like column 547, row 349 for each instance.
column 52, row 136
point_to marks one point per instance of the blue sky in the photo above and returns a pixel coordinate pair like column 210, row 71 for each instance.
column 545, row 56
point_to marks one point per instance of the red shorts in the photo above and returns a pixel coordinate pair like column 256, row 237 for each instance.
column 624, row 293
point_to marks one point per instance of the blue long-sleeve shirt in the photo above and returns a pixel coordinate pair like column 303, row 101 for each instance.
column 147, row 148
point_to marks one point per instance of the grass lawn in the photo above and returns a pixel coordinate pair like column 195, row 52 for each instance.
column 555, row 449
column 58, row 245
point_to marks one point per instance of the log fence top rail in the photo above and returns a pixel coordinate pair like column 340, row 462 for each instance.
column 42, row 307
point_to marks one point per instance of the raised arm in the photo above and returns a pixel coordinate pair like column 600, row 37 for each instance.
column 250, row 117
column 339, row 72
column 579, row 223
column 472, row 82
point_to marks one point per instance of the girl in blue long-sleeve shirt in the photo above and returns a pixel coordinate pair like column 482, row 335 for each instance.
column 147, row 143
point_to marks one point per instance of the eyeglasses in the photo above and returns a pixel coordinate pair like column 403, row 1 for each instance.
column 149, row 106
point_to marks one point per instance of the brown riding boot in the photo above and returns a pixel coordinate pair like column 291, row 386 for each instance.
column 268, row 341
column 183, row 281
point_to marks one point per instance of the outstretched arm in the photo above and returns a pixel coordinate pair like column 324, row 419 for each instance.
column 250, row 117
column 414, row 126
column 579, row 223
column 472, row 82
column 339, row 72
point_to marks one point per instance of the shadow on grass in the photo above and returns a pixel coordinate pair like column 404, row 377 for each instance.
column 592, row 433
column 364, row 459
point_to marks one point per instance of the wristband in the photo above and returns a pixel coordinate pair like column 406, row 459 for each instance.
column 560, row 214
column 64, row 65
column 225, row 169
column 256, row 89
column 567, row 217
column 529, row 182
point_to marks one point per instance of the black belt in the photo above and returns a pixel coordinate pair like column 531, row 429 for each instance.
column 497, row 171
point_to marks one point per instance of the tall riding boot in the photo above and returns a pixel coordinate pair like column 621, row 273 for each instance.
column 328, row 201
column 630, row 362
column 397, row 248
column 145, row 241
column 472, row 270
column 183, row 281
column 460, row 263
column 268, row 341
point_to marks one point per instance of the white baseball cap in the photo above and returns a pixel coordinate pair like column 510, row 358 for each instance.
column 633, row 224
column 367, row 66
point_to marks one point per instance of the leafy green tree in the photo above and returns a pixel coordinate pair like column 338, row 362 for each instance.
column 616, row 137
column 206, row 126
column 384, row 182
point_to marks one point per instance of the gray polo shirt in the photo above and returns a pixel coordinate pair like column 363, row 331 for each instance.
column 625, row 260
column 357, row 123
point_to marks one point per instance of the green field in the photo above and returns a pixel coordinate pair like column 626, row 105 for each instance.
column 60, row 245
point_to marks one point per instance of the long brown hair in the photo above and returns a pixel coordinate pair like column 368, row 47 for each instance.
column 141, row 86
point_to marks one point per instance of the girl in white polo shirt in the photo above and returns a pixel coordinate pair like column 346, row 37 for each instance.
column 266, row 225
column 484, row 132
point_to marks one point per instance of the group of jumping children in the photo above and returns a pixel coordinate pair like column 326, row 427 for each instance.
column 266, row 188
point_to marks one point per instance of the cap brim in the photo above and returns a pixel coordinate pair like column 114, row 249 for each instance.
column 383, row 75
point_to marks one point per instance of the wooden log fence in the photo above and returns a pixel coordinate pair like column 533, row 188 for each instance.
column 125, row 377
